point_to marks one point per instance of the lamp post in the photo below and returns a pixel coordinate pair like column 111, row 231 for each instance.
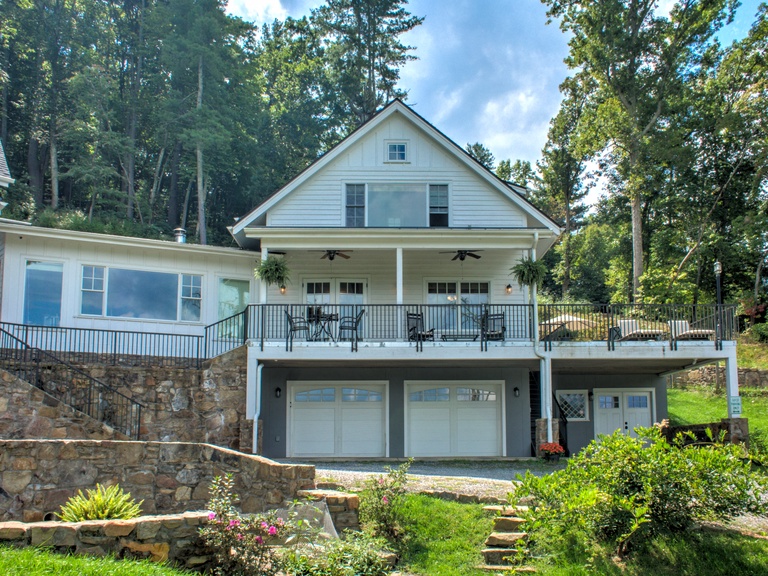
column 718, row 314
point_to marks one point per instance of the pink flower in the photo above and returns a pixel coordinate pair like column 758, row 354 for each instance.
column 239, row 536
column 259, row 540
column 272, row 530
column 381, row 481
column 264, row 525
column 212, row 516
column 233, row 523
column 280, row 521
column 385, row 500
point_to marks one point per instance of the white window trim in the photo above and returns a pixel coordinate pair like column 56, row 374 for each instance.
column 584, row 393
column 344, row 201
column 388, row 143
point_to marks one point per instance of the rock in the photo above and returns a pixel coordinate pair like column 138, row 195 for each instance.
column 14, row 482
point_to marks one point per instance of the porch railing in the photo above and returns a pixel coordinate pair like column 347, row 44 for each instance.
column 70, row 385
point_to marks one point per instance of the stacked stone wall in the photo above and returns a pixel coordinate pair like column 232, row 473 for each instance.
column 714, row 376
column 38, row 476
column 172, row 538
column 28, row 412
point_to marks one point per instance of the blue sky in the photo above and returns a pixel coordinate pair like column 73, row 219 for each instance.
column 488, row 70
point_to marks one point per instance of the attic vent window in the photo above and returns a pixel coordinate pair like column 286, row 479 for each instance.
column 397, row 152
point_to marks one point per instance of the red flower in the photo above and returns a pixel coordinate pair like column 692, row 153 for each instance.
column 551, row 448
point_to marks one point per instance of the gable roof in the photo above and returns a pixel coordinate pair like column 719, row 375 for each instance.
column 5, row 173
column 511, row 191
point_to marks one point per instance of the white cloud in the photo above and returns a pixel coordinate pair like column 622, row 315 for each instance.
column 257, row 11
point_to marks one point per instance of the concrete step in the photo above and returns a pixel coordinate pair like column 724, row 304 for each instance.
column 507, row 524
column 506, row 510
column 504, row 539
column 495, row 556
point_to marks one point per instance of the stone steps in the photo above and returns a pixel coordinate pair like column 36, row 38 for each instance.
column 505, row 540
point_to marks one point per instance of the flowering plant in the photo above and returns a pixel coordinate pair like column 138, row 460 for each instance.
column 551, row 448
column 241, row 544
column 381, row 504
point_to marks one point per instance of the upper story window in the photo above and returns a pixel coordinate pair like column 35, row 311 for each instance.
column 355, row 204
column 438, row 205
column 120, row 293
column 397, row 152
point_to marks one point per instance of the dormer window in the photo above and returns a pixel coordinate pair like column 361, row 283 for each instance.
column 397, row 152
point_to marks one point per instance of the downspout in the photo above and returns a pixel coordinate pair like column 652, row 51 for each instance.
column 257, row 410
column 545, row 374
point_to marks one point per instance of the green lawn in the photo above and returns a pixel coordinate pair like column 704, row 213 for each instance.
column 37, row 562
column 698, row 405
column 751, row 354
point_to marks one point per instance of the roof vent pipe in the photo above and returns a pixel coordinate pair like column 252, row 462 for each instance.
column 180, row 235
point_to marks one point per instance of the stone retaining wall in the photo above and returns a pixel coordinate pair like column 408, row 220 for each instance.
column 344, row 507
column 28, row 412
column 38, row 476
column 172, row 538
column 715, row 376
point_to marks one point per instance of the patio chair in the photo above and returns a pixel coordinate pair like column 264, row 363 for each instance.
column 681, row 330
column 493, row 327
column 296, row 324
column 629, row 329
column 415, row 325
column 350, row 325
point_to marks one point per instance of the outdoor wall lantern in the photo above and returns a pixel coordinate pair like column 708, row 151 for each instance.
column 282, row 288
column 516, row 390
column 509, row 288
column 278, row 392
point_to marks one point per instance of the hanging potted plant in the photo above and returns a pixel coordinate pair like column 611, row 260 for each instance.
column 529, row 272
column 273, row 271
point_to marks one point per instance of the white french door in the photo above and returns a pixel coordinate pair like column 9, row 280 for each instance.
column 622, row 410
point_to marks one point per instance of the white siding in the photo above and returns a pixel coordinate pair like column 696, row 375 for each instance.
column 318, row 202
column 73, row 254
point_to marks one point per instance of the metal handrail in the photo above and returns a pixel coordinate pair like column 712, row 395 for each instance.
column 70, row 385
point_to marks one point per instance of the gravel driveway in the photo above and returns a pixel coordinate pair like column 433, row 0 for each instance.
column 473, row 477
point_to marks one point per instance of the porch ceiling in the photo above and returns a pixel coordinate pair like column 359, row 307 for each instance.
column 391, row 238
column 621, row 365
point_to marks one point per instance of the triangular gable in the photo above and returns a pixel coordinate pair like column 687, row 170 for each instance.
column 5, row 173
column 513, row 194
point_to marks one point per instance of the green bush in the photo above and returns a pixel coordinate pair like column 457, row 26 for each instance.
column 101, row 504
column 355, row 555
column 620, row 490
column 381, row 502
column 759, row 332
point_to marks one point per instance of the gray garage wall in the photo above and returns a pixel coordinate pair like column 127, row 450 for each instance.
column 274, row 410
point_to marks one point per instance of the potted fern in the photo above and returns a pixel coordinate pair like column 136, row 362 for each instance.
column 529, row 272
column 273, row 270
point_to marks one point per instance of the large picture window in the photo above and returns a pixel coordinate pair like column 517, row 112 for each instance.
column 396, row 205
column 121, row 293
column 42, row 293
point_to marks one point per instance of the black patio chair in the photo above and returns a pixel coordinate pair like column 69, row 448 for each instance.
column 349, row 325
column 296, row 324
column 415, row 326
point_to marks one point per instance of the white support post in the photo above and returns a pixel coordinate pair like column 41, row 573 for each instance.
column 732, row 385
column 399, row 275
column 262, row 284
column 545, row 375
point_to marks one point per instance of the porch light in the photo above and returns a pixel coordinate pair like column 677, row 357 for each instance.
column 516, row 390
column 282, row 288
column 509, row 289
column 278, row 392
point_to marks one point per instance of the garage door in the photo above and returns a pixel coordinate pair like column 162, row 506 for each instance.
column 455, row 418
column 337, row 419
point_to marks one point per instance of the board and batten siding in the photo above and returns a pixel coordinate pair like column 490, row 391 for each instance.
column 75, row 254
column 319, row 202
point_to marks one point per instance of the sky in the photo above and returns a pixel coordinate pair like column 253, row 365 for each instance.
column 488, row 70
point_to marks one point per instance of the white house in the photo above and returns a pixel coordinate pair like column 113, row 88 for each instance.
column 400, row 331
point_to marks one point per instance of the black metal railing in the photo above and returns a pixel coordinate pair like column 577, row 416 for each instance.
column 562, row 424
column 70, row 385
column 112, row 347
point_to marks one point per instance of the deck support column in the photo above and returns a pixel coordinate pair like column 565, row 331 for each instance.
column 732, row 385
column 262, row 284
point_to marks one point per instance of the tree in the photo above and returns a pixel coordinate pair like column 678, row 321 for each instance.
column 480, row 153
column 363, row 55
column 637, row 59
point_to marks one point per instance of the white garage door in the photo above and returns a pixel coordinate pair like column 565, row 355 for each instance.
column 455, row 418
column 337, row 419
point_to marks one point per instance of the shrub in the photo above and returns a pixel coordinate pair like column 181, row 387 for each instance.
column 101, row 504
column 759, row 332
column 241, row 545
column 355, row 555
column 381, row 502
column 620, row 490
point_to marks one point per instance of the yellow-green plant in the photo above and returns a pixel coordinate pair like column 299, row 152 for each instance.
column 109, row 503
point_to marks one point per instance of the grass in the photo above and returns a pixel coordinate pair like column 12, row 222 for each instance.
column 696, row 405
column 39, row 562
column 714, row 553
column 446, row 537
column 750, row 354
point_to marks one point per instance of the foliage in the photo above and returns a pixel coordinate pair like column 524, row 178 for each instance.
column 551, row 448
column 355, row 554
column 241, row 545
column 381, row 505
column 109, row 503
column 480, row 153
column 273, row 271
column 621, row 490
column 529, row 272
column 42, row 562
column 759, row 332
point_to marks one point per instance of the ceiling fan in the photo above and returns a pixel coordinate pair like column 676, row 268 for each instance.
column 461, row 255
column 331, row 254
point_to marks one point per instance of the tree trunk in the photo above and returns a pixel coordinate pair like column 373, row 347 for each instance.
column 567, row 249
column 54, row 167
column 35, row 171
column 201, row 232
column 156, row 184
column 173, row 189
column 131, row 154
